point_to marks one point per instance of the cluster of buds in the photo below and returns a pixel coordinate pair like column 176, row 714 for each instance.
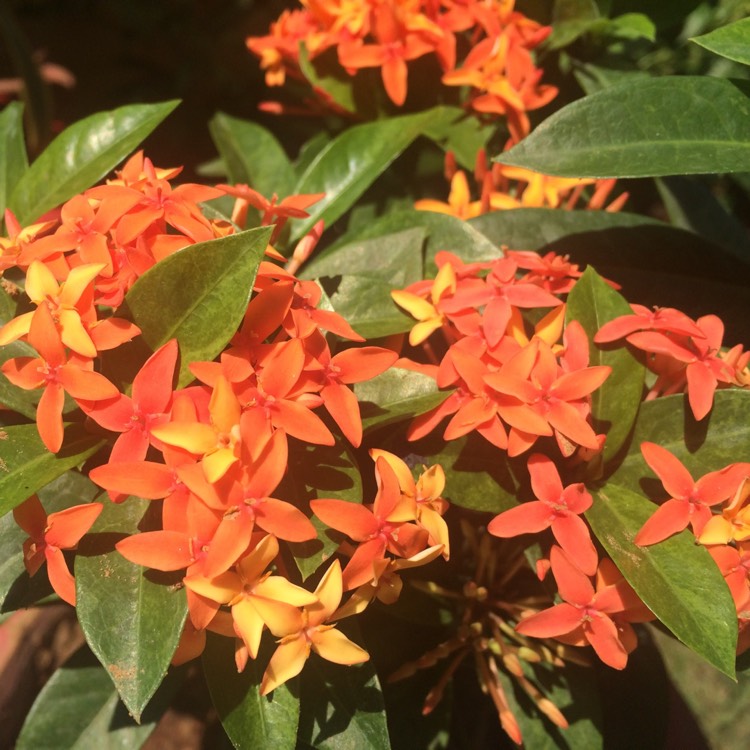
column 501, row 187
column 499, row 68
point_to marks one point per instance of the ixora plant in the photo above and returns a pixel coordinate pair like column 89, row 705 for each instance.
column 379, row 486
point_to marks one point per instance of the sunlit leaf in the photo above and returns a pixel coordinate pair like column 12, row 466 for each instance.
column 132, row 617
column 81, row 155
column 13, row 159
column 732, row 41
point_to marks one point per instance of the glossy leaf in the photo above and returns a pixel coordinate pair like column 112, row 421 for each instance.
column 615, row 404
column 252, row 155
column 13, row 159
column 319, row 471
column 79, row 709
column 443, row 232
column 198, row 295
column 132, row 618
column 676, row 579
column 717, row 440
column 81, row 155
column 26, row 465
column 17, row 588
column 621, row 241
column 250, row 720
column 342, row 707
column 478, row 475
column 350, row 163
column 660, row 126
column 732, row 41
column 396, row 395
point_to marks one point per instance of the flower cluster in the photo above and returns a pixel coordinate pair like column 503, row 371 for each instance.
column 498, row 68
column 501, row 187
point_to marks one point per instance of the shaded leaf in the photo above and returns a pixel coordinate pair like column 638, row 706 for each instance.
column 26, row 465
column 342, row 707
column 17, row 588
column 396, row 395
column 592, row 78
column 443, row 233
column 132, row 618
column 732, row 41
column 13, row 159
column 252, row 155
column 250, row 720
column 660, row 126
column 319, row 471
column 11, row 396
column 350, row 163
column 79, row 709
column 333, row 81
column 615, row 404
column 81, row 155
column 459, row 133
column 198, row 295
column 676, row 579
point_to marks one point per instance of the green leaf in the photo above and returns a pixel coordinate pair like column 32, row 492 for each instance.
column 333, row 80
column 79, row 709
column 592, row 78
column 13, row 159
column 17, row 588
column 26, row 465
column 319, row 471
column 666, row 14
column 676, row 579
column 574, row 691
column 443, row 233
column 717, row 440
column 252, row 155
column 132, row 618
column 81, row 155
column 396, row 395
column 342, row 707
column 250, row 720
column 620, row 242
column 614, row 406
column 732, row 41
column 478, row 475
column 198, row 295
column 660, row 126
column 345, row 168
column 11, row 396
column 692, row 206
column 461, row 134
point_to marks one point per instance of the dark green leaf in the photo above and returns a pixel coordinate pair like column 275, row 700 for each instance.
column 252, row 155
column 335, row 82
column 478, row 475
column 396, row 395
column 574, row 691
column 692, row 206
column 665, row 14
column 676, row 579
column 132, row 618
column 345, row 168
column 26, row 465
column 319, row 471
column 717, row 440
column 198, row 295
column 592, row 78
column 443, row 233
column 660, row 126
column 13, row 160
column 79, row 709
column 17, row 589
column 81, row 155
column 617, row 241
column 250, row 720
column 342, row 707
column 614, row 406
column 732, row 41
column 459, row 133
